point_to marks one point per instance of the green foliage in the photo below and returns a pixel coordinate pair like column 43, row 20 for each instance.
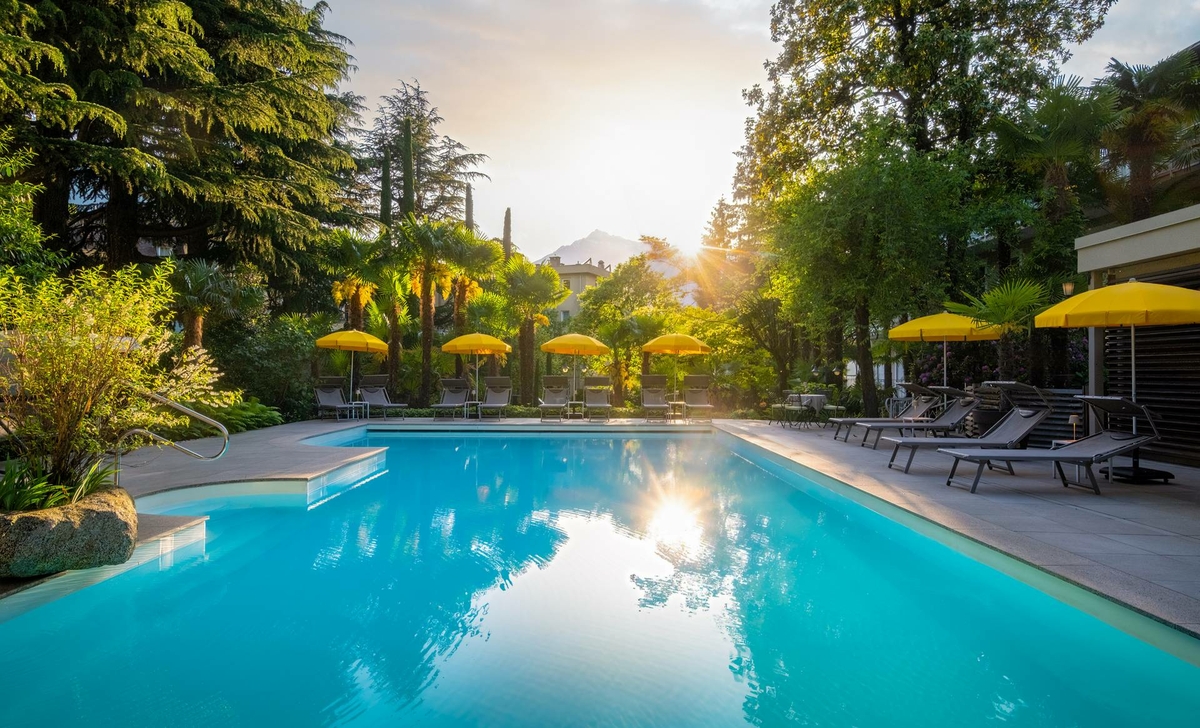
column 241, row 416
column 81, row 350
column 271, row 359
column 1011, row 305
column 21, row 243
column 25, row 486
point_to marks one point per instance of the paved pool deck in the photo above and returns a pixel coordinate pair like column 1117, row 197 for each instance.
column 1137, row 545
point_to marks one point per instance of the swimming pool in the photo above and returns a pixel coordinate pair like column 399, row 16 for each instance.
column 506, row 580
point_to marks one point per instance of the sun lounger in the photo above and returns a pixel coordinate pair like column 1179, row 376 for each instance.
column 1086, row 452
column 922, row 402
column 654, row 397
column 454, row 398
column 331, row 399
column 695, row 397
column 555, row 396
column 950, row 419
column 497, row 396
column 377, row 398
column 596, row 403
column 1010, row 431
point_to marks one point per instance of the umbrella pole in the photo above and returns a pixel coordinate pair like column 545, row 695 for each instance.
column 351, row 375
column 945, row 370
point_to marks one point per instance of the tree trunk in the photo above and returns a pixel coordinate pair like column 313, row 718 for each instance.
column 51, row 208
column 426, row 338
column 525, row 341
column 121, row 224
column 618, row 377
column 1141, row 183
column 395, row 335
column 494, row 365
column 645, row 362
column 354, row 311
column 866, row 363
column 782, row 370
column 193, row 329
column 459, row 292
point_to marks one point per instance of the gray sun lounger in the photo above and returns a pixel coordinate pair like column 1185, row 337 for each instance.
column 377, row 399
column 454, row 397
column 695, row 397
column 555, row 396
column 950, row 419
column 922, row 401
column 497, row 396
column 596, row 402
column 654, row 397
column 332, row 399
column 1085, row 452
column 1010, row 431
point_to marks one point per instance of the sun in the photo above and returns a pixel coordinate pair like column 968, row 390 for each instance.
column 689, row 247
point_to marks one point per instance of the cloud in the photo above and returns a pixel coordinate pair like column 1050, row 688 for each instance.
column 1137, row 31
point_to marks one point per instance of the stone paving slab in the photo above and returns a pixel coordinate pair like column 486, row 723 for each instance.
column 1134, row 544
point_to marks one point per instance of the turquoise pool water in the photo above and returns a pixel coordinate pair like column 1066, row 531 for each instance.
column 538, row 581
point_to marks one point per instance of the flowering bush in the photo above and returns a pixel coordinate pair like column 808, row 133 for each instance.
column 80, row 349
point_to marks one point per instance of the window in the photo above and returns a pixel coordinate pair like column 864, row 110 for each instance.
column 567, row 283
column 564, row 315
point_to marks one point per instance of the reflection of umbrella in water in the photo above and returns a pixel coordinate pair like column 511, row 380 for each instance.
column 576, row 345
column 476, row 344
column 679, row 345
column 1129, row 304
column 353, row 341
column 943, row 327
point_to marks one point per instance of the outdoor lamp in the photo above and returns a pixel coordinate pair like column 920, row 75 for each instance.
column 1074, row 419
column 1068, row 288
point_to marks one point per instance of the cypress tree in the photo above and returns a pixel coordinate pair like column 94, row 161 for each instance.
column 385, row 188
column 507, row 233
column 469, row 210
column 408, row 202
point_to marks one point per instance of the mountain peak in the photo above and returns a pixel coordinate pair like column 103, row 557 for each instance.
column 599, row 246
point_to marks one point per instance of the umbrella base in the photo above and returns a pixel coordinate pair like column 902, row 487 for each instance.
column 1139, row 475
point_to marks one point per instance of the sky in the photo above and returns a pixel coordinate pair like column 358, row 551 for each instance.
column 622, row 115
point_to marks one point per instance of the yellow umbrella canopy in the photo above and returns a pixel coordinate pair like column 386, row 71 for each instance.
column 1125, row 304
column 1130, row 304
column 943, row 327
column 677, row 344
column 351, row 340
column 575, row 344
column 476, row 344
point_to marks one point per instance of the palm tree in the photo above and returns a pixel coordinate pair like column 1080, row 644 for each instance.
column 391, row 301
column 1058, row 138
column 354, row 260
column 204, row 290
column 1010, row 306
column 1159, row 106
column 474, row 259
column 429, row 244
column 531, row 289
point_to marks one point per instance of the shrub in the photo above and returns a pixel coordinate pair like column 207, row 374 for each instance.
column 241, row 416
column 270, row 360
column 81, row 350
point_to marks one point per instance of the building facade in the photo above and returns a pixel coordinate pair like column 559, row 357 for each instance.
column 577, row 277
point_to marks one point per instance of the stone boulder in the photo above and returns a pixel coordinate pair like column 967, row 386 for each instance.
column 99, row 530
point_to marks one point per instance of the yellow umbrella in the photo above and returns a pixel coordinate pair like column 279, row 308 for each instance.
column 476, row 344
column 679, row 345
column 575, row 345
column 1129, row 304
column 944, row 327
column 352, row 341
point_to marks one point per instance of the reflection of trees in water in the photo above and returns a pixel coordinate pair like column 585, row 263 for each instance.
column 450, row 530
